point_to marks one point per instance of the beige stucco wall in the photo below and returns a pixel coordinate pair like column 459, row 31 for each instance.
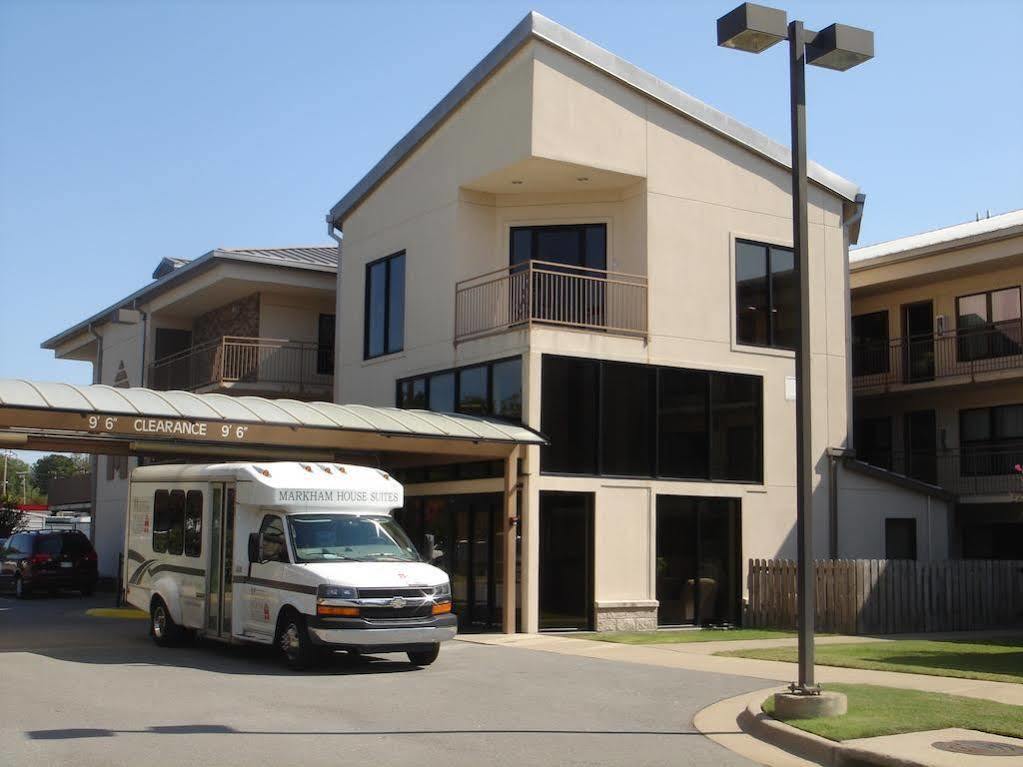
column 674, row 196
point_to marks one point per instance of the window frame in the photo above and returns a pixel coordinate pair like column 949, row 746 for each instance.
column 580, row 229
column 886, row 343
column 193, row 551
column 170, row 493
column 387, row 350
column 963, row 334
column 768, row 247
column 457, row 386
column 264, row 523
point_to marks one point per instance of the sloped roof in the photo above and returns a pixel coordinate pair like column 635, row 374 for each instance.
column 319, row 258
column 995, row 226
column 175, row 416
column 538, row 27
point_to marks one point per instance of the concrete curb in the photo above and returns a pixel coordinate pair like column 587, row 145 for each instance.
column 813, row 747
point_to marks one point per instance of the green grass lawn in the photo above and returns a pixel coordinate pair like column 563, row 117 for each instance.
column 998, row 660
column 682, row 635
column 888, row 711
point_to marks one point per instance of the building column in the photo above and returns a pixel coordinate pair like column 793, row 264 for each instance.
column 529, row 525
column 511, row 526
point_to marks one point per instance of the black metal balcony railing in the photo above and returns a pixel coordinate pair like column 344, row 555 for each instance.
column 917, row 359
column 267, row 363
column 551, row 294
column 980, row 470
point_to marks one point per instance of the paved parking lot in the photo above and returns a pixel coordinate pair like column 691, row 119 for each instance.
column 95, row 691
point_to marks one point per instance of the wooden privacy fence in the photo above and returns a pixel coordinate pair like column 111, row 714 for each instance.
column 877, row 596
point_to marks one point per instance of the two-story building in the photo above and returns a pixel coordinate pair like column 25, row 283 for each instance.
column 233, row 321
column 937, row 371
column 567, row 241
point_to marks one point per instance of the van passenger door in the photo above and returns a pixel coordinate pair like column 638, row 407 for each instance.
column 263, row 599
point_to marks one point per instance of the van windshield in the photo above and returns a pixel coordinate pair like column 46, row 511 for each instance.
column 346, row 537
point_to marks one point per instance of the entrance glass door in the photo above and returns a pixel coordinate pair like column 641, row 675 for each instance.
column 566, row 560
column 457, row 534
column 219, row 590
column 699, row 570
column 918, row 352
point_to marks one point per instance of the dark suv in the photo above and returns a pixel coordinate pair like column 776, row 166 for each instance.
column 47, row 561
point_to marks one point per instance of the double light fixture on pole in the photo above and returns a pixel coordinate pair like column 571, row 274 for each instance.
column 755, row 28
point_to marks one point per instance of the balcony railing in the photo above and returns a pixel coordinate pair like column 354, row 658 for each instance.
column 265, row 364
column 550, row 294
column 918, row 359
column 982, row 470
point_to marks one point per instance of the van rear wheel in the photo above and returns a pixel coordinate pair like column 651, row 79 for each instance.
column 163, row 629
column 424, row 657
column 293, row 641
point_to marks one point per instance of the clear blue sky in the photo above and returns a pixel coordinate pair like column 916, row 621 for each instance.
column 133, row 131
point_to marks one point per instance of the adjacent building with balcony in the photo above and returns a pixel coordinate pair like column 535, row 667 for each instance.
column 233, row 321
column 569, row 242
column 937, row 371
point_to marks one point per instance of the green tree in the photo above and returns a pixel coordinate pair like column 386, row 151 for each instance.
column 13, row 489
column 55, row 465
column 12, row 519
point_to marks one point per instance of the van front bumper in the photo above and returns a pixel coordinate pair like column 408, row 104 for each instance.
column 371, row 636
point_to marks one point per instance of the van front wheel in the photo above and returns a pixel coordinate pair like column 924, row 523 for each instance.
column 293, row 641
column 425, row 657
column 162, row 628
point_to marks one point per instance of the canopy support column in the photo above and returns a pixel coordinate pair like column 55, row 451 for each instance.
column 511, row 527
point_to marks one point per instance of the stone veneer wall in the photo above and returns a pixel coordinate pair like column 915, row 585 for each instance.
column 626, row 617
column 238, row 318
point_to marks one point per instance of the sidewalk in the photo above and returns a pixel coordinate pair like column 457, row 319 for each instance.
column 699, row 656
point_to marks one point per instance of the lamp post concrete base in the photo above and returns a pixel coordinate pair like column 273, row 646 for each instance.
column 794, row 705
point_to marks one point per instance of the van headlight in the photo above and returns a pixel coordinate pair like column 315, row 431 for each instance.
column 336, row 592
column 442, row 590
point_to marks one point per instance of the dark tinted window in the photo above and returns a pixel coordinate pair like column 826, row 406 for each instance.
column 193, row 523
column 325, row 344
column 168, row 521
column 76, row 544
column 49, row 544
column 627, row 405
column 872, row 439
column 412, row 393
column 870, row 344
column 900, row 538
column 385, row 306
column 569, row 415
column 473, row 394
column 570, row 245
column 766, row 295
column 20, row 544
column 507, row 389
column 735, row 421
column 442, row 393
column 682, row 431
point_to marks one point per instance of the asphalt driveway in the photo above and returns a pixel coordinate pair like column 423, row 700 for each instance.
column 82, row 690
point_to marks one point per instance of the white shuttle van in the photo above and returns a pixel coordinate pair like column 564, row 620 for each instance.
column 303, row 555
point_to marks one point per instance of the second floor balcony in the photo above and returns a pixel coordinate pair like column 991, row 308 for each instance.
column 552, row 294
column 959, row 356
column 232, row 364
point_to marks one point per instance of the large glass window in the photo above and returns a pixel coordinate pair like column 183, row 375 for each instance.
column 989, row 324
column 568, row 415
column 272, row 546
column 705, row 425
column 628, row 406
column 872, row 438
column 340, row 537
column 766, row 295
column 683, row 429
column 870, row 344
column 991, row 439
column 569, row 245
column 385, row 306
column 491, row 389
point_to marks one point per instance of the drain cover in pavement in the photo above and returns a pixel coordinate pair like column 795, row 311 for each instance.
column 979, row 747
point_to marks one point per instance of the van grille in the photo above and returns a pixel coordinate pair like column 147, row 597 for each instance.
column 388, row 593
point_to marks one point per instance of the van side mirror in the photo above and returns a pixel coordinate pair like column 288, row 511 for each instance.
column 254, row 547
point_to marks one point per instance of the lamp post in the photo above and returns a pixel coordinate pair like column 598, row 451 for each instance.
column 755, row 28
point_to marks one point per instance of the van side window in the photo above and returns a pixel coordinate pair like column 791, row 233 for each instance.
column 169, row 521
column 271, row 536
column 193, row 523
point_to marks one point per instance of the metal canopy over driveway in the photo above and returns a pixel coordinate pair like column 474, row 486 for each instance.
column 111, row 421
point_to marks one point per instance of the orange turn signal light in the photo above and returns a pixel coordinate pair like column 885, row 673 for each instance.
column 441, row 608
column 348, row 612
